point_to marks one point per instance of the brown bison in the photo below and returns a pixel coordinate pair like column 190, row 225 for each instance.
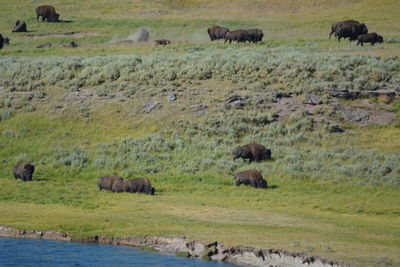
column 255, row 35
column 250, row 177
column 24, row 171
column 107, row 182
column 120, row 186
column 47, row 13
column 217, row 32
column 141, row 185
column 372, row 38
column 253, row 152
column 20, row 26
column 237, row 35
column 348, row 29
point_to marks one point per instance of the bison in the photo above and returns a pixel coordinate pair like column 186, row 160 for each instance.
column 47, row 13
column 372, row 38
column 24, row 171
column 1, row 41
column 141, row 185
column 106, row 182
column 237, row 35
column 253, row 152
column 120, row 186
column 255, row 35
column 217, row 32
column 251, row 177
column 348, row 29
column 20, row 26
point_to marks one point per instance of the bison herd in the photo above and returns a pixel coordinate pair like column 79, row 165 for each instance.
column 351, row 29
column 253, row 152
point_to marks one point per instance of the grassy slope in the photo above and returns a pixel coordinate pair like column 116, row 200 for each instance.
column 341, row 220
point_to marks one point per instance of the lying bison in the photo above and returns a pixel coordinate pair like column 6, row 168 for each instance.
column 162, row 42
column 20, row 26
column 348, row 29
column 24, row 171
column 372, row 38
column 253, row 152
column 107, row 182
column 47, row 13
column 250, row 177
column 217, row 32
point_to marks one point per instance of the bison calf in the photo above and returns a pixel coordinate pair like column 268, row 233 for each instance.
column 372, row 38
column 106, row 182
column 253, row 152
column 24, row 171
column 250, row 177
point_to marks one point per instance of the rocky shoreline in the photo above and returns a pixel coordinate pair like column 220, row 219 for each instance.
column 180, row 246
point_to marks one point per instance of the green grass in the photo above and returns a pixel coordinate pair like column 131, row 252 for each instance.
column 77, row 114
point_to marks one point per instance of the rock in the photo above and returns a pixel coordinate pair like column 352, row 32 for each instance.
column 150, row 106
column 172, row 97
column 46, row 45
column 312, row 99
column 259, row 100
column 357, row 115
column 235, row 101
column 199, row 109
column 335, row 129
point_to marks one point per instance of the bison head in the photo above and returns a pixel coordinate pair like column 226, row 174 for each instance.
column 237, row 152
column 380, row 39
column 263, row 184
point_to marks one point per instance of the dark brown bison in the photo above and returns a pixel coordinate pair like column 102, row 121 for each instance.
column 20, row 26
column 348, row 29
column 253, row 152
column 107, row 182
column 217, row 32
column 372, row 38
column 47, row 13
column 250, row 177
column 335, row 27
column 162, row 42
column 141, row 185
column 237, row 35
column 24, row 171
column 255, row 35
column 1, row 41
column 120, row 186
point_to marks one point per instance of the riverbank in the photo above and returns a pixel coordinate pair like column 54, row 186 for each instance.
column 181, row 246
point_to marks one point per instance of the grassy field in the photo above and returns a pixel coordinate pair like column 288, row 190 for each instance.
column 78, row 114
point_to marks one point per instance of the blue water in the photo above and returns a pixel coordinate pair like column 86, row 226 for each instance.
column 25, row 252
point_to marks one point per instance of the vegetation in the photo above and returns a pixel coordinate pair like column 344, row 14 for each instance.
column 105, row 108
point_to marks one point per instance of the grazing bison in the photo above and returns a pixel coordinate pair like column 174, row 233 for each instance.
column 255, row 35
column 162, row 42
column 250, row 177
column 107, row 182
column 348, row 29
column 120, row 186
column 217, row 32
column 372, row 38
column 253, row 152
column 20, row 26
column 47, row 13
column 141, row 185
column 24, row 171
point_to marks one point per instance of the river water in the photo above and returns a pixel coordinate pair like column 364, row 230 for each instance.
column 26, row 252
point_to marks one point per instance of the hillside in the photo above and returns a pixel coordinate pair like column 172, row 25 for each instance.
column 329, row 112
